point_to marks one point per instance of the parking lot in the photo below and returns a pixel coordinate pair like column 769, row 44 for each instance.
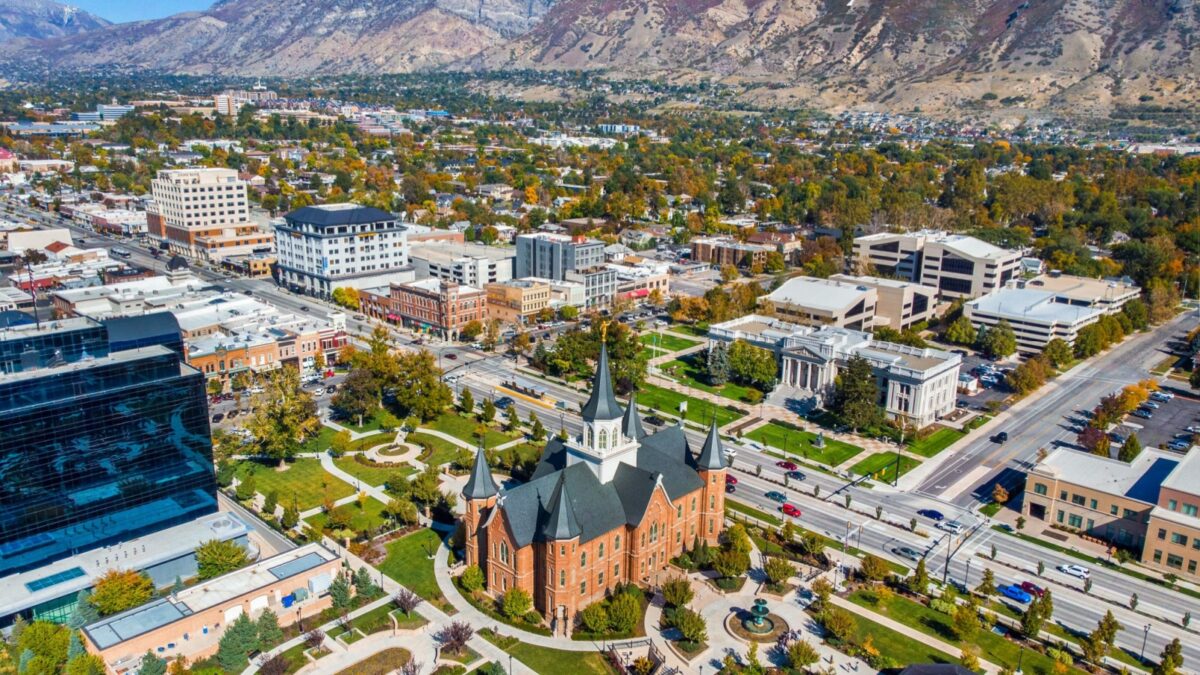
column 1171, row 418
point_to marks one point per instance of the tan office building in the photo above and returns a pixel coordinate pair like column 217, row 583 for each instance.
column 517, row 301
column 957, row 265
column 824, row 302
column 1173, row 534
column 204, row 213
column 899, row 304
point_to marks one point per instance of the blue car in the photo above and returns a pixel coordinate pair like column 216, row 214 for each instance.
column 931, row 514
column 776, row 496
column 1014, row 592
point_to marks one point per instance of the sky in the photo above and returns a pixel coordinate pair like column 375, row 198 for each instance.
column 133, row 10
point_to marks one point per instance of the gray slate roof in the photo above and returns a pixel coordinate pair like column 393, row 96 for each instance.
column 602, row 404
column 480, row 485
column 631, row 423
column 712, row 456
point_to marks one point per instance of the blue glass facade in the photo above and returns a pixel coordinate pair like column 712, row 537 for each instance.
column 98, row 443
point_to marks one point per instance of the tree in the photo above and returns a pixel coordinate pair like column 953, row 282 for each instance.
column 855, row 394
column 276, row 664
column 152, row 665
column 919, row 580
column 594, row 617
column 284, row 415
column 347, row 297
column 969, row 658
column 690, row 624
column 471, row 330
column 960, row 332
column 358, row 396
column 1093, row 440
column 875, row 568
column 407, row 601
column 270, row 502
column 536, row 430
column 778, row 570
column 339, row 592
column 240, row 638
column 466, row 402
column 1171, row 659
column 246, row 488
column 624, row 612
column 1058, row 352
column 516, row 603
column 987, row 587
column 737, row 539
column 291, row 516
column 84, row 664
column 1108, row 628
column 999, row 341
column 752, row 365
column 838, row 624
column 822, row 590
column 999, row 494
column 402, row 511
column 426, row 487
column 1130, row 449
column 84, row 612
column 269, row 632
column 472, row 578
column 119, row 590
column 514, row 418
column 488, row 412
column 387, row 421
column 1034, row 618
column 363, row 583
column 677, row 592
column 801, row 654
column 455, row 636
column 46, row 644
column 491, row 334
column 718, row 364
column 419, row 388
column 521, row 342
column 216, row 557
column 965, row 621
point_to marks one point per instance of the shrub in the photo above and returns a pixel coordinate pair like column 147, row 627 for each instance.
column 455, row 636
column 624, row 612
column 690, row 625
column 472, row 578
column 594, row 617
column 677, row 592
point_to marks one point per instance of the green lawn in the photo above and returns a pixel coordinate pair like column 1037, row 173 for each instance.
column 443, row 451
column 295, row 658
column 903, row 649
column 463, row 428
column 550, row 661
column 369, row 517
column 665, row 342
column 801, row 443
column 371, row 475
column 935, row 442
column 692, row 371
column 698, row 411
column 408, row 562
column 882, row 466
column 369, row 423
column 304, row 479
column 699, row 330
column 320, row 442
column 744, row 509
column 993, row 647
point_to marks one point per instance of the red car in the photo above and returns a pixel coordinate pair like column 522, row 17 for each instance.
column 1032, row 589
column 790, row 510
column 730, row 480
column 786, row 466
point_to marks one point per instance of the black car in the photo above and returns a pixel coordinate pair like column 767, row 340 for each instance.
column 796, row 475
column 1001, row 437
column 218, row 417
column 730, row 488
column 503, row 402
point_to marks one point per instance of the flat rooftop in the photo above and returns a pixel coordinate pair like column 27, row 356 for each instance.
column 446, row 252
column 1030, row 304
column 880, row 282
column 1139, row 480
column 908, row 357
column 116, row 629
column 821, row 294
column 1082, row 288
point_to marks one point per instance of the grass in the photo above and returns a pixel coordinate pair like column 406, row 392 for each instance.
column 977, row 422
column 320, row 442
column 993, row 647
column 387, row 661
column 443, row 451
column 700, row 412
column 410, row 564
column 304, row 479
column 699, row 330
column 408, row 622
column 935, row 442
column 801, row 443
column 374, row 621
column 369, row 517
column 295, row 657
column 882, row 466
column 666, row 342
column 1164, row 365
column 463, row 428
column 550, row 661
column 369, row 424
column 371, row 475
column 899, row 647
column 691, row 371
column 991, row 509
column 745, row 510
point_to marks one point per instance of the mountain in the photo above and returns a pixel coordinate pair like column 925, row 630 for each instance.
column 299, row 37
column 889, row 53
column 40, row 19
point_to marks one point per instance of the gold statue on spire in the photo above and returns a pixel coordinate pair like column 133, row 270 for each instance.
column 604, row 331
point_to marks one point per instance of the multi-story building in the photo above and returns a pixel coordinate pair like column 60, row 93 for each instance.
column 599, row 285
column 1173, row 533
column 104, row 112
column 824, row 302
column 898, row 304
column 637, row 279
column 322, row 248
column 610, row 506
column 106, row 442
column 957, row 265
column 544, row 254
column 189, row 623
column 722, row 251
column 517, row 301
column 916, row 386
column 467, row 264
column 434, row 305
column 204, row 213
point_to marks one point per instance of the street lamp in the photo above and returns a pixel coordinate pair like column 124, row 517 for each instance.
column 1145, row 636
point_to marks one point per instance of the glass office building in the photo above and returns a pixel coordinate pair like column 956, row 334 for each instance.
column 104, row 436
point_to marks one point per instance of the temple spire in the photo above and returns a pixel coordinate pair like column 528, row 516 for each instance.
column 561, row 523
column 631, row 424
column 480, row 485
column 712, row 457
column 602, row 404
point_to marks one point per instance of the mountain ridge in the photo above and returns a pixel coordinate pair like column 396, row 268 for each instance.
column 40, row 19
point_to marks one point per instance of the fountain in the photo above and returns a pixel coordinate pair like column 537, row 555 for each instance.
column 758, row 623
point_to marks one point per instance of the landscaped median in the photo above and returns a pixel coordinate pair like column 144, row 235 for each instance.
column 698, row 411
column 883, row 466
column 546, row 661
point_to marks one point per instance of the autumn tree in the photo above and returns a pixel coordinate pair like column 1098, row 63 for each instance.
column 119, row 590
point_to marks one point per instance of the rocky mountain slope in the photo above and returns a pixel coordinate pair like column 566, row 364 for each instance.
column 40, row 19
column 300, row 37
column 931, row 54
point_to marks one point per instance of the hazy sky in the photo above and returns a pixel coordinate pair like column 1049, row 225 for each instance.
column 132, row 10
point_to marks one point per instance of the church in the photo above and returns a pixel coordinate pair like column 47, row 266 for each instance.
column 608, row 507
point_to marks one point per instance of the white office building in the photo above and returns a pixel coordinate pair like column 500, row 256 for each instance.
column 204, row 213
column 957, row 265
column 321, row 248
column 824, row 302
column 473, row 265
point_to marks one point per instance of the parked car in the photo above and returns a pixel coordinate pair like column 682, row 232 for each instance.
column 1180, row 444
column 503, row 402
column 906, row 552
column 1032, row 588
column 1151, row 405
column 731, row 480
column 797, row 475
column 931, row 514
column 790, row 510
column 218, row 417
column 951, row 526
column 1078, row 571
column 1162, row 396
column 730, row 488
column 1194, row 429
column 776, row 496
column 786, row 465
column 1143, row 413
column 1015, row 593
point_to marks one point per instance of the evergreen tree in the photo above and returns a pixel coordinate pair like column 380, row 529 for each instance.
column 291, row 516
column 466, row 402
column 919, row 580
column 74, row 646
column 84, row 613
column 987, row 587
column 339, row 591
column 718, row 364
column 270, row 502
column 488, row 413
column 514, row 417
column 178, row 585
column 363, row 585
column 855, row 394
column 240, row 638
column 1131, row 449
column 269, row 632
column 152, row 665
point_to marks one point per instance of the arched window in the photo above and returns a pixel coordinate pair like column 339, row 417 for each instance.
column 601, row 555
column 583, row 559
column 603, row 439
column 617, row 543
column 562, row 577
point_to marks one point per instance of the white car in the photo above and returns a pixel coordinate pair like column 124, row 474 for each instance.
column 1078, row 571
column 1163, row 396
column 952, row 526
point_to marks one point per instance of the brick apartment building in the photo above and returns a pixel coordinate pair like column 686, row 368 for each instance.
column 433, row 305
